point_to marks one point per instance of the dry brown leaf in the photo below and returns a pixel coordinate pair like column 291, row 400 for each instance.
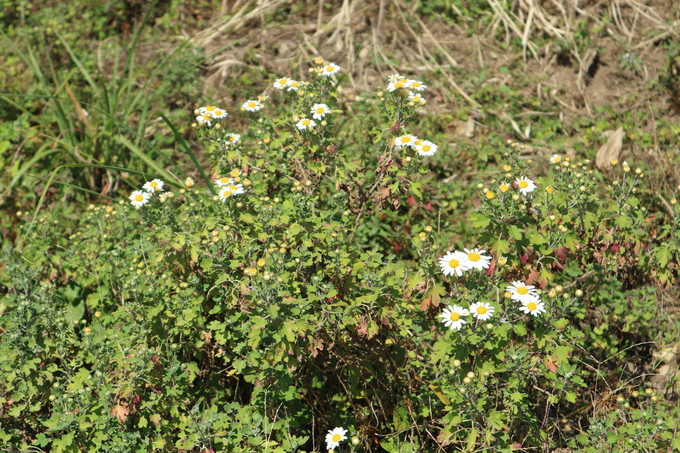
column 609, row 150
column 120, row 412
column 156, row 420
column 465, row 129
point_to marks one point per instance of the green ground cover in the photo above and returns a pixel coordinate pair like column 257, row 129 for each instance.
column 216, row 240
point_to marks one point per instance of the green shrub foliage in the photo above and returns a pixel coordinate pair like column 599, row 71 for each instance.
column 304, row 286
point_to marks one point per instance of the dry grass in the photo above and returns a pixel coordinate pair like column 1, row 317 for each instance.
column 373, row 38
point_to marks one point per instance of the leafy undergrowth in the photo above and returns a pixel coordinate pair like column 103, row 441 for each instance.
column 330, row 269
column 313, row 267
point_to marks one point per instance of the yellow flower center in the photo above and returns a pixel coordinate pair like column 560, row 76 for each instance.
column 224, row 180
column 336, row 437
column 405, row 139
column 454, row 316
column 504, row 188
column 474, row 256
column 481, row 310
column 252, row 105
column 523, row 184
column 226, row 193
column 320, row 110
column 139, row 198
column 305, row 122
column 426, row 148
column 490, row 195
column 218, row 112
column 532, row 306
column 330, row 69
column 522, row 290
column 398, row 85
column 234, row 173
column 454, row 263
column 209, row 108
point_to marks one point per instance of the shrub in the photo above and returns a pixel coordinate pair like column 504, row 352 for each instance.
column 310, row 284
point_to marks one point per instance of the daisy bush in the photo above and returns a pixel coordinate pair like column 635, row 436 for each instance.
column 315, row 286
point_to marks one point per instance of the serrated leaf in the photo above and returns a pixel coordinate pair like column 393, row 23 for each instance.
column 515, row 232
column 479, row 220
column 536, row 239
column 520, row 329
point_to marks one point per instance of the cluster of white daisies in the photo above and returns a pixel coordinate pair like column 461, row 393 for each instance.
column 208, row 114
column 318, row 111
column 408, row 87
column 412, row 90
column 139, row 198
column 229, row 185
column 423, row 147
column 457, row 263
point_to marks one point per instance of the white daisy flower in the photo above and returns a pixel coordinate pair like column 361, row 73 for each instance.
column 139, row 198
column 521, row 292
column 477, row 260
column 334, row 437
column 481, row 311
column 153, row 186
column 525, row 184
column 452, row 317
column 555, row 159
column 235, row 189
column 251, row 106
column 223, row 181
column 235, row 173
column 189, row 182
column 454, row 263
column 416, row 98
column 533, row 307
column 282, row 83
column 305, row 123
column 295, row 85
column 319, row 111
column 219, row 114
column 405, row 140
column 232, row 138
column 416, row 85
column 205, row 119
column 209, row 109
column 394, row 77
column 330, row 69
column 398, row 84
column 426, row 148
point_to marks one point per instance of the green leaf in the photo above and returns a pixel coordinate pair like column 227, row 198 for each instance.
column 496, row 420
column 479, row 220
column 520, row 329
column 515, row 232
column 571, row 397
column 500, row 246
column 662, row 255
column 536, row 239
column 471, row 439
column 622, row 221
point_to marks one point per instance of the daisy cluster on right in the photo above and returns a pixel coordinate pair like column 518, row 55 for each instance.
column 457, row 263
